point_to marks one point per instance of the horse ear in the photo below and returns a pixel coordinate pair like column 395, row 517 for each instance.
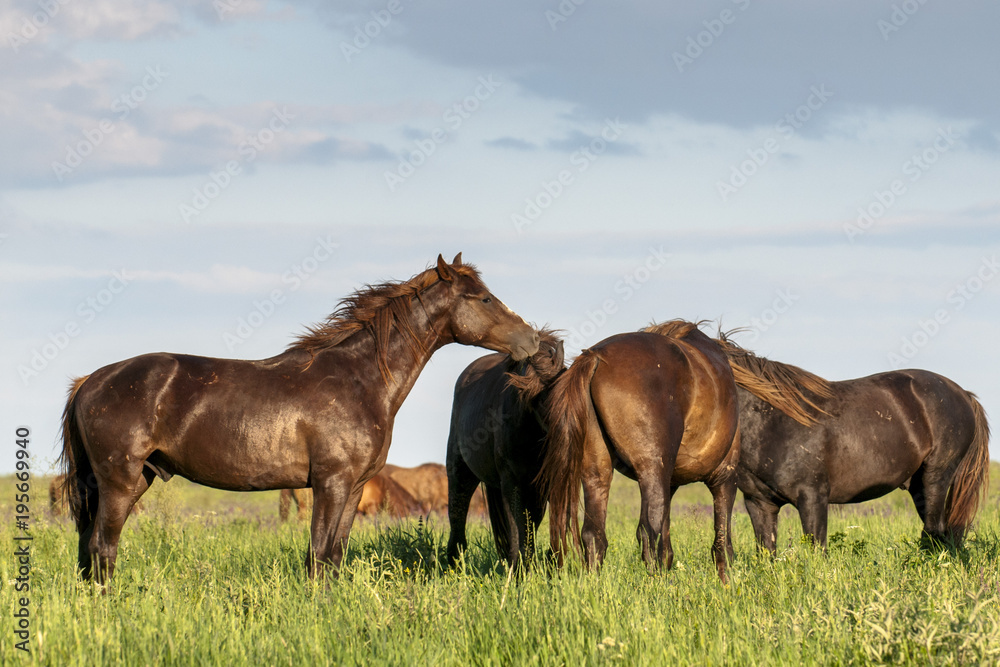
column 560, row 355
column 457, row 260
column 445, row 272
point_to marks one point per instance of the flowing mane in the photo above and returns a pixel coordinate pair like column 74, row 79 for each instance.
column 540, row 370
column 783, row 386
column 674, row 328
column 377, row 309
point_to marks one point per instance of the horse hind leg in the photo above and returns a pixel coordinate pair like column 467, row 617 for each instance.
column 930, row 496
column 653, row 532
column 814, row 507
column 118, row 491
column 764, row 518
column 723, row 497
column 462, row 484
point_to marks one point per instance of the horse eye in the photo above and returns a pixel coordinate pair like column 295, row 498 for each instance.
column 487, row 299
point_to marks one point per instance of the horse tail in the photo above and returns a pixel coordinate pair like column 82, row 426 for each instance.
column 498, row 520
column 972, row 479
column 569, row 412
column 75, row 465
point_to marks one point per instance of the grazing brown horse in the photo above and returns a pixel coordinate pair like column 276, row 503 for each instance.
column 303, row 499
column 379, row 493
column 318, row 415
column 809, row 442
column 383, row 494
column 427, row 483
column 659, row 406
column 497, row 438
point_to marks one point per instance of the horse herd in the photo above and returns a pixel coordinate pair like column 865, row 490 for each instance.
column 665, row 406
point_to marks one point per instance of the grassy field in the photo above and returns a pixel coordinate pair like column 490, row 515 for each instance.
column 211, row 578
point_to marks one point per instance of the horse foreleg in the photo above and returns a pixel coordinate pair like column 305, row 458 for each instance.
column 334, row 506
column 764, row 518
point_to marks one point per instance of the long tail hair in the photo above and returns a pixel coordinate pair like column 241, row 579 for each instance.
column 569, row 413
column 498, row 520
column 972, row 479
column 75, row 465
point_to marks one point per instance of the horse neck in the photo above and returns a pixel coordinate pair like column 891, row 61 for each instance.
column 428, row 319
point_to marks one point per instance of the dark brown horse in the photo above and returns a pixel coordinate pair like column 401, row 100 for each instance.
column 809, row 442
column 497, row 438
column 318, row 415
column 659, row 406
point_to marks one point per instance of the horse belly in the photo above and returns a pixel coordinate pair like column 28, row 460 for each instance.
column 248, row 461
column 860, row 476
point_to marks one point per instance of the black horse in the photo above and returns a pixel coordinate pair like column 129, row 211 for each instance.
column 318, row 415
column 497, row 438
column 810, row 442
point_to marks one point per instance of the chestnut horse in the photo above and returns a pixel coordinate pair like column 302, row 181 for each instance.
column 659, row 406
column 384, row 494
column 427, row 483
column 381, row 492
column 810, row 442
column 303, row 500
column 318, row 415
column 497, row 438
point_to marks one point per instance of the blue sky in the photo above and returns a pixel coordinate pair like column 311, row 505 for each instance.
column 825, row 174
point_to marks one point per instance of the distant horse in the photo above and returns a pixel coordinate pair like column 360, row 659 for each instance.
column 660, row 407
column 379, row 493
column 427, row 483
column 383, row 494
column 810, row 442
column 57, row 495
column 303, row 500
column 318, row 415
column 391, row 487
column 497, row 438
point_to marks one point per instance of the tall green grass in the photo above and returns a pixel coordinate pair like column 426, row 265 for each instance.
column 211, row 578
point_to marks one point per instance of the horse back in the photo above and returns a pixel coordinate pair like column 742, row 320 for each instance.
column 678, row 393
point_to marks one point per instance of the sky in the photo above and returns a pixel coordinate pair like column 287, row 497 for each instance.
column 212, row 177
